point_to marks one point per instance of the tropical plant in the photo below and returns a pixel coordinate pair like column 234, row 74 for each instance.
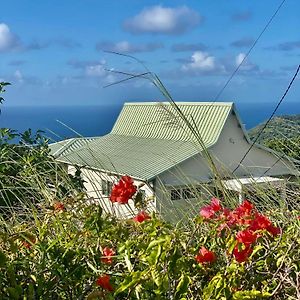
column 72, row 251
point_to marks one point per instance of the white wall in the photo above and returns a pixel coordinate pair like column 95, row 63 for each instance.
column 232, row 146
column 93, row 180
column 227, row 153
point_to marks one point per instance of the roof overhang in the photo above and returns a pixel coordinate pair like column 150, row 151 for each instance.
column 240, row 184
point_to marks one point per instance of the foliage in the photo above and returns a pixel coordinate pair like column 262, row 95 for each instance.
column 281, row 135
column 2, row 90
column 287, row 146
column 29, row 173
column 286, row 126
column 72, row 251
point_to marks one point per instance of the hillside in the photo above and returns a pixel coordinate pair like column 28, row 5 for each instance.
column 280, row 127
column 281, row 135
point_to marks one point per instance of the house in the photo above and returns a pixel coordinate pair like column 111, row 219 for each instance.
column 172, row 152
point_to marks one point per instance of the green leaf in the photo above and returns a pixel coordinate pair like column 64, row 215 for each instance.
column 182, row 287
column 129, row 282
column 256, row 249
column 15, row 293
column 154, row 255
column 156, row 242
column 250, row 295
column 157, row 277
column 127, row 260
column 92, row 267
column 280, row 260
column 173, row 259
column 215, row 287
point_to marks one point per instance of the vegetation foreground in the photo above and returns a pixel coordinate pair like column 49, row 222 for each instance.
column 71, row 251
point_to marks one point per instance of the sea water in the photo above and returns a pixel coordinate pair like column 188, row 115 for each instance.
column 64, row 122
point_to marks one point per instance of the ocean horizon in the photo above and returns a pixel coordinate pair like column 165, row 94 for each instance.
column 61, row 122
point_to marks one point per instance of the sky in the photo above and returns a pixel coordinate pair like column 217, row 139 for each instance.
column 57, row 52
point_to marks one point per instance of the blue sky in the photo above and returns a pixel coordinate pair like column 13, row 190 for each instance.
column 53, row 51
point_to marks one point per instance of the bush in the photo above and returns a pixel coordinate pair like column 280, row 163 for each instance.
column 74, row 252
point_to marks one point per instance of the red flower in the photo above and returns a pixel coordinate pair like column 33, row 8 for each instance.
column 107, row 253
column 103, row 281
column 215, row 204
column 242, row 214
column 260, row 222
column 247, row 237
column 58, row 206
column 141, row 217
column 274, row 230
column 205, row 256
column 245, row 209
column 209, row 211
column 241, row 255
column 28, row 244
column 123, row 190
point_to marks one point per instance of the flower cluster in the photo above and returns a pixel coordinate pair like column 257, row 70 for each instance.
column 108, row 254
column 123, row 190
column 245, row 222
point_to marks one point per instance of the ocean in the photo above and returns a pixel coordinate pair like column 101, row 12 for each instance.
column 98, row 120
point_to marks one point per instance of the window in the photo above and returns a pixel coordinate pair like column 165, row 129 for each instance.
column 143, row 194
column 109, row 187
column 183, row 193
column 187, row 193
column 106, row 187
column 176, row 194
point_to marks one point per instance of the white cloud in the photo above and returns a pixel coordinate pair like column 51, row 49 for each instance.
column 19, row 76
column 165, row 20
column 95, row 70
column 123, row 47
column 239, row 58
column 127, row 47
column 8, row 41
column 200, row 61
column 246, row 65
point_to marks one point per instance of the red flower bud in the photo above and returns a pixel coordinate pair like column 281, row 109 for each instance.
column 141, row 217
column 205, row 256
column 104, row 282
column 107, row 253
column 58, row 206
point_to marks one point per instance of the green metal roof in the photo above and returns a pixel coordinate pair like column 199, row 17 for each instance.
column 135, row 156
column 69, row 145
column 55, row 147
column 162, row 121
column 148, row 138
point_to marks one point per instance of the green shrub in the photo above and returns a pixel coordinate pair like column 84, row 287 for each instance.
column 74, row 252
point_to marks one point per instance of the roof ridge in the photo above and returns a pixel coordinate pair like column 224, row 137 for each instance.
column 182, row 103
